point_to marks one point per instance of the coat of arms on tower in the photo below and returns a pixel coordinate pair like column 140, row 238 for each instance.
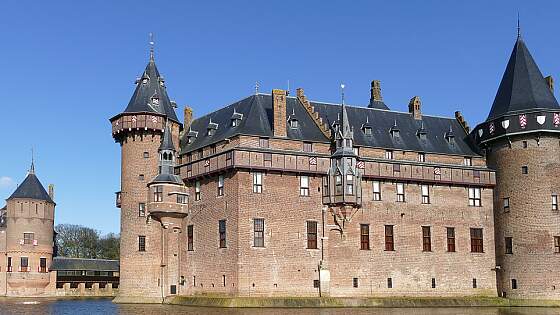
column 541, row 119
column 523, row 121
column 505, row 123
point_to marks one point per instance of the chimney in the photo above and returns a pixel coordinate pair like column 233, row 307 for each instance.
column 51, row 191
column 375, row 91
column 279, row 111
column 550, row 82
column 462, row 121
column 414, row 107
column 187, row 120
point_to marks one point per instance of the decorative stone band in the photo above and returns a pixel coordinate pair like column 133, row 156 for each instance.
column 541, row 121
column 299, row 162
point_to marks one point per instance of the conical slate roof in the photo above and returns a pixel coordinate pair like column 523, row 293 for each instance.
column 31, row 188
column 523, row 88
column 151, row 85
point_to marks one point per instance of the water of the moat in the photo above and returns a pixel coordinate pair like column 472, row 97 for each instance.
column 106, row 307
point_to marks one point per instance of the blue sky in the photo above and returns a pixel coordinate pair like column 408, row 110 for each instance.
column 68, row 66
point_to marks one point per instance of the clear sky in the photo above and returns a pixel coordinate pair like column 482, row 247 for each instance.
column 68, row 66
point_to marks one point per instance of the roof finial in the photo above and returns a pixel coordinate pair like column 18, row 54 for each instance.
column 518, row 26
column 151, row 46
column 32, row 169
column 256, row 87
column 342, row 92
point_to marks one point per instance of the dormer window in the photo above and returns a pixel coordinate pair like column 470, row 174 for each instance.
column 236, row 118
column 394, row 131
column 293, row 123
column 155, row 101
column 212, row 127
column 367, row 131
column 450, row 137
column 235, row 122
column 191, row 136
column 421, row 132
column 366, row 127
column 211, row 132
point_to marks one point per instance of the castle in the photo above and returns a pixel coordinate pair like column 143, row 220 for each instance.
column 278, row 195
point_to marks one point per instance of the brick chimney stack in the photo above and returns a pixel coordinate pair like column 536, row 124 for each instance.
column 187, row 120
column 414, row 107
column 51, row 191
column 376, row 91
column 550, row 82
column 279, row 112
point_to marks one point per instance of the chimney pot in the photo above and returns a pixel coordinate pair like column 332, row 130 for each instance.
column 187, row 119
column 414, row 107
column 299, row 92
column 279, row 112
column 51, row 191
column 376, row 91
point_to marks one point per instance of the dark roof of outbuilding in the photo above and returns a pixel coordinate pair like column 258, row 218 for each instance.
column 31, row 188
column 523, row 87
column 257, row 121
column 67, row 263
column 141, row 100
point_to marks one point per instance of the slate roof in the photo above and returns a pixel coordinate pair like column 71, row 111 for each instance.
column 141, row 100
column 167, row 141
column 257, row 121
column 31, row 188
column 67, row 263
column 523, row 88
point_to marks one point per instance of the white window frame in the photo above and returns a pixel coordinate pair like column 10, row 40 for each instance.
column 220, row 185
column 257, row 182
column 376, row 190
column 421, row 157
column 304, row 185
column 389, row 154
column 475, row 199
column 400, row 192
column 555, row 202
column 467, row 161
column 425, row 189
column 197, row 193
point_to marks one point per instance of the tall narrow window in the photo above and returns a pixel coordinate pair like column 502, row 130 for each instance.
column 221, row 185
column 421, row 157
column 9, row 264
column 141, row 209
column 304, row 185
column 433, row 283
column 43, row 264
column 450, row 239
column 506, row 204
column 141, row 243
column 190, row 237
column 376, row 191
column 477, row 241
column 158, row 193
column 389, row 239
column 467, row 161
column 557, row 244
column 355, row 282
column 182, row 199
column 400, row 192
column 257, row 182
column 28, row 238
column 524, row 169
column 508, row 245
column 197, row 190
column 426, row 239
column 24, row 264
column 312, row 234
column 389, row 283
column 258, row 237
column 307, row 147
column 263, row 142
column 474, row 197
column 514, row 284
column 554, row 202
column 350, row 184
column 425, row 194
column 338, row 184
column 474, row 285
column 389, row 154
column 222, row 231
column 364, row 236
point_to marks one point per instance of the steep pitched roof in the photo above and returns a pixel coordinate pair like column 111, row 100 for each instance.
column 67, row 263
column 167, row 141
column 257, row 121
column 31, row 188
column 523, row 87
column 151, row 85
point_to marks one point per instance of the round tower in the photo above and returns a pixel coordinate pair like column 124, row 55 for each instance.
column 521, row 139
column 29, row 238
column 139, row 130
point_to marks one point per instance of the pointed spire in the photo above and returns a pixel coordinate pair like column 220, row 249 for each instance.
column 518, row 26
column 32, row 169
column 167, row 141
column 346, row 131
column 151, row 46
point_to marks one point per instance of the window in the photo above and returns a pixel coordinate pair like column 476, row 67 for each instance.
column 421, row 157
column 24, row 264
column 357, row 151
column 389, row 154
column 400, row 192
column 389, row 283
column 221, row 185
column 364, row 236
column 355, row 282
column 557, row 244
column 389, row 240
column 9, row 264
column 506, row 204
column 367, row 131
column 338, row 184
column 263, row 143
column 141, row 243
column 158, row 193
column 474, row 197
column 141, row 209
column 28, row 238
column 514, row 281
column 258, row 237
column 197, row 190
column 293, row 123
column 146, row 155
column 43, row 264
column 476, row 241
column 229, row 156
column 554, row 202
column 349, row 184
column 190, row 237
column 267, row 157
column 141, row 177
column 312, row 234
column 433, row 283
column 257, row 182
column 304, row 185
column 425, row 194
column 222, row 231
column 474, row 283
column 467, row 161
column 450, row 239
column 212, row 150
column 235, row 122
column 524, row 169
column 316, row 284
column 307, row 147
column 524, row 144
column 508, row 245
column 426, row 239
column 200, row 153
column 182, row 199
column 376, row 191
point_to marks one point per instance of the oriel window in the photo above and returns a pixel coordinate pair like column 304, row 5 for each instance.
column 350, row 184
column 158, row 193
column 338, row 184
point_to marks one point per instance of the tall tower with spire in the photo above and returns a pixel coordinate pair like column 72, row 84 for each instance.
column 520, row 137
column 139, row 130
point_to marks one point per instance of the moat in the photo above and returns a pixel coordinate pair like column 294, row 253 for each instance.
column 106, row 307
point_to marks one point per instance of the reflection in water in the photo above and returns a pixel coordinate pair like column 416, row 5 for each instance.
column 106, row 307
